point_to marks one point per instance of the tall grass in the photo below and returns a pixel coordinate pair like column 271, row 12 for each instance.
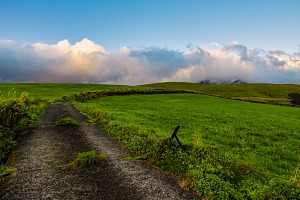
column 15, row 114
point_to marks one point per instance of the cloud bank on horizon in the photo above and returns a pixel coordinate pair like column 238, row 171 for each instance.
column 86, row 61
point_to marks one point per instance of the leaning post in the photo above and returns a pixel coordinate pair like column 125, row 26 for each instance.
column 174, row 135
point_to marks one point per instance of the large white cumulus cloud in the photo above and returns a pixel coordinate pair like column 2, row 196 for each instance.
column 86, row 61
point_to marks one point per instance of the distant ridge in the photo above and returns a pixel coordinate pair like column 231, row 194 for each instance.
column 207, row 81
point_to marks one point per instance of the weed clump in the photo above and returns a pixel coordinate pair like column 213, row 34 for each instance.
column 86, row 159
column 67, row 121
column 4, row 170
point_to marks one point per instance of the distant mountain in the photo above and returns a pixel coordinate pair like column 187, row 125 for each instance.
column 207, row 81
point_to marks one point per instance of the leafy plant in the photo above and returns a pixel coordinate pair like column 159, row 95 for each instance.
column 66, row 121
column 86, row 159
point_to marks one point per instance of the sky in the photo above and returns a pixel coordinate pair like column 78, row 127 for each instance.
column 143, row 41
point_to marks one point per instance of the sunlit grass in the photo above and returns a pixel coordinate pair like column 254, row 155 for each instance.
column 263, row 93
column 265, row 135
column 232, row 149
column 51, row 91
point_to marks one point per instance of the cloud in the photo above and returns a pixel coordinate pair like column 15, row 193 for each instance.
column 87, row 61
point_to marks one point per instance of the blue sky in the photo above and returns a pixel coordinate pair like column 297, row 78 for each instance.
column 267, row 24
column 144, row 41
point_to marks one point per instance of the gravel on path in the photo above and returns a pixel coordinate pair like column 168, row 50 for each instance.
column 43, row 147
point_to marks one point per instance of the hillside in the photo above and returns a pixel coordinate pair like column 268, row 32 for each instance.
column 262, row 93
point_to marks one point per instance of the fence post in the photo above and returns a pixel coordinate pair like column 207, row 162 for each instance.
column 175, row 135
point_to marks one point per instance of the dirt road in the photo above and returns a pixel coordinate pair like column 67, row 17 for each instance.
column 43, row 147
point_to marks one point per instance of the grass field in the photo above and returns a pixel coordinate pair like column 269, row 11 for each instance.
column 52, row 91
column 265, row 135
column 262, row 93
column 233, row 149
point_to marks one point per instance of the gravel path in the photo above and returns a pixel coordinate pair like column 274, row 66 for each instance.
column 41, row 148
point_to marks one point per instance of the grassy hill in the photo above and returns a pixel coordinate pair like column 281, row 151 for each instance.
column 262, row 93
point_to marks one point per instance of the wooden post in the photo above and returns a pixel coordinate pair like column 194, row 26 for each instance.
column 175, row 135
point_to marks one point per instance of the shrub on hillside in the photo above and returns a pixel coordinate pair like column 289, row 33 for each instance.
column 294, row 98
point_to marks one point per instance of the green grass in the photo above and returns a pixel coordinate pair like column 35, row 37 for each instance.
column 86, row 159
column 66, row 121
column 52, row 91
column 258, row 141
column 4, row 170
column 263, row 93
column 233, row 149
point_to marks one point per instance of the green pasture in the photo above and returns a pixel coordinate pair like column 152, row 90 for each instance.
column 262, row 93
column 51, row 91
column 265, row 135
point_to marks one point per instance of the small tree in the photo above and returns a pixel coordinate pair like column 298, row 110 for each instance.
column 294, row 98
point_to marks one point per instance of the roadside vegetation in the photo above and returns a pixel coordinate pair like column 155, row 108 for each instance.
column 15, row 114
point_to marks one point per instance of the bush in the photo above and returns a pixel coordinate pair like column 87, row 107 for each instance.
column 294, row 98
